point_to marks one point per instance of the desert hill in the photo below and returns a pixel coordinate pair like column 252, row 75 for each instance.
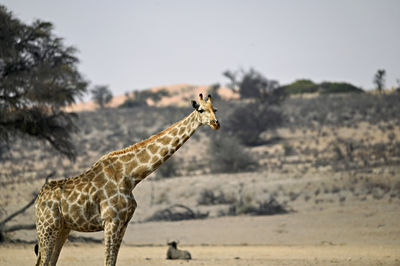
column 178, row 95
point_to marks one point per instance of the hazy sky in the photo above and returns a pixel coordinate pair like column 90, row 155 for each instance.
column 138, row 44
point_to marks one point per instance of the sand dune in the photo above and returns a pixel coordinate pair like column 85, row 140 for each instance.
column 179, row 96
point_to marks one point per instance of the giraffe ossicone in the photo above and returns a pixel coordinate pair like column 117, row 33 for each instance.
column 101, row 198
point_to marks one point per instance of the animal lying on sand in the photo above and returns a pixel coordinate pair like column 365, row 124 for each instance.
column 174, row 253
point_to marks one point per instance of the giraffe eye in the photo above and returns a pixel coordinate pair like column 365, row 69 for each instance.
column 200, row 111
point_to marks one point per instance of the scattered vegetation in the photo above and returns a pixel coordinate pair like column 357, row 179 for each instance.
column 140, row 98
column 39, row 76
column 267, row 207
column 302, row 86
column 210, row 197
column 176, row 212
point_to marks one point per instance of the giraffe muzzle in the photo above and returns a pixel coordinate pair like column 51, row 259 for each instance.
column 215, row 124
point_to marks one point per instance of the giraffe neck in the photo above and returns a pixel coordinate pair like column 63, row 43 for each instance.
column 143, row 158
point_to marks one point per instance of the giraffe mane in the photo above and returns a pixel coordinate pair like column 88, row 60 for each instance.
column 142, row 143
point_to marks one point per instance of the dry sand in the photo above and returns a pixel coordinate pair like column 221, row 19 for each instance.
column 91, row 254
column 361, row 233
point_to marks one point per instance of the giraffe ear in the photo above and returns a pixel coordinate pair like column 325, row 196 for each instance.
column 195, row 105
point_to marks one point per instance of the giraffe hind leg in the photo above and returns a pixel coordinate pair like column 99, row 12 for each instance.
column 46, row 247
column 62, row 237
column 49, row 231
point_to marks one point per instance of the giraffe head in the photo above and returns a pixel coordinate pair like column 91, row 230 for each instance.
column 206, row 112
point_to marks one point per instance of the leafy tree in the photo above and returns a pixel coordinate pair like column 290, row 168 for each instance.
column 379, row 80
column 213, row 90
column 260, row 112
column 131, row 103
column 139, row 99
column 102, row 95
column 232, row 76
column 249, row 121
column 38, row 76
column 253, row 85
column 156, row 96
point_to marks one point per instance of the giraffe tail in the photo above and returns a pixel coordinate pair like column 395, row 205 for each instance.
column 36, row 249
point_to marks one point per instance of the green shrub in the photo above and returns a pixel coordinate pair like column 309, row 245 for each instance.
column 338, row 87
column 301, row 86
column 308, row 86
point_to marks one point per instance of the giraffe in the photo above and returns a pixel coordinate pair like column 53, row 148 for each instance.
column 101, row 198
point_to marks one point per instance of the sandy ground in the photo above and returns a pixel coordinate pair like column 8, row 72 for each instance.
column 360, row 233
column 91, row 254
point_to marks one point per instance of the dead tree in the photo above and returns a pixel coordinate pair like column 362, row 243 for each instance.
column 4, row 229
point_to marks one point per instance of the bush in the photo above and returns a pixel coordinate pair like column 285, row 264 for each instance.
column 229, row 156
column 301, row 86
column 308, row 86
column 176, row 212
column 133, row 102
column 140, row 98
column 267, row 207
column 249, row 121
column 338, row 87
column 209, row 197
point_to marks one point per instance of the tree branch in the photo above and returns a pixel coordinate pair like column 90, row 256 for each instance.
column 7, row 219
column 23, row 209
column 19, row 227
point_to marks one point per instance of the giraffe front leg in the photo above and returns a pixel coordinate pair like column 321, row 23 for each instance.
column 113, row 234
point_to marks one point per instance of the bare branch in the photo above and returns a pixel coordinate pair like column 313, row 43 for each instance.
column 18, row 212
column 23, row 209
column 19, row 227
